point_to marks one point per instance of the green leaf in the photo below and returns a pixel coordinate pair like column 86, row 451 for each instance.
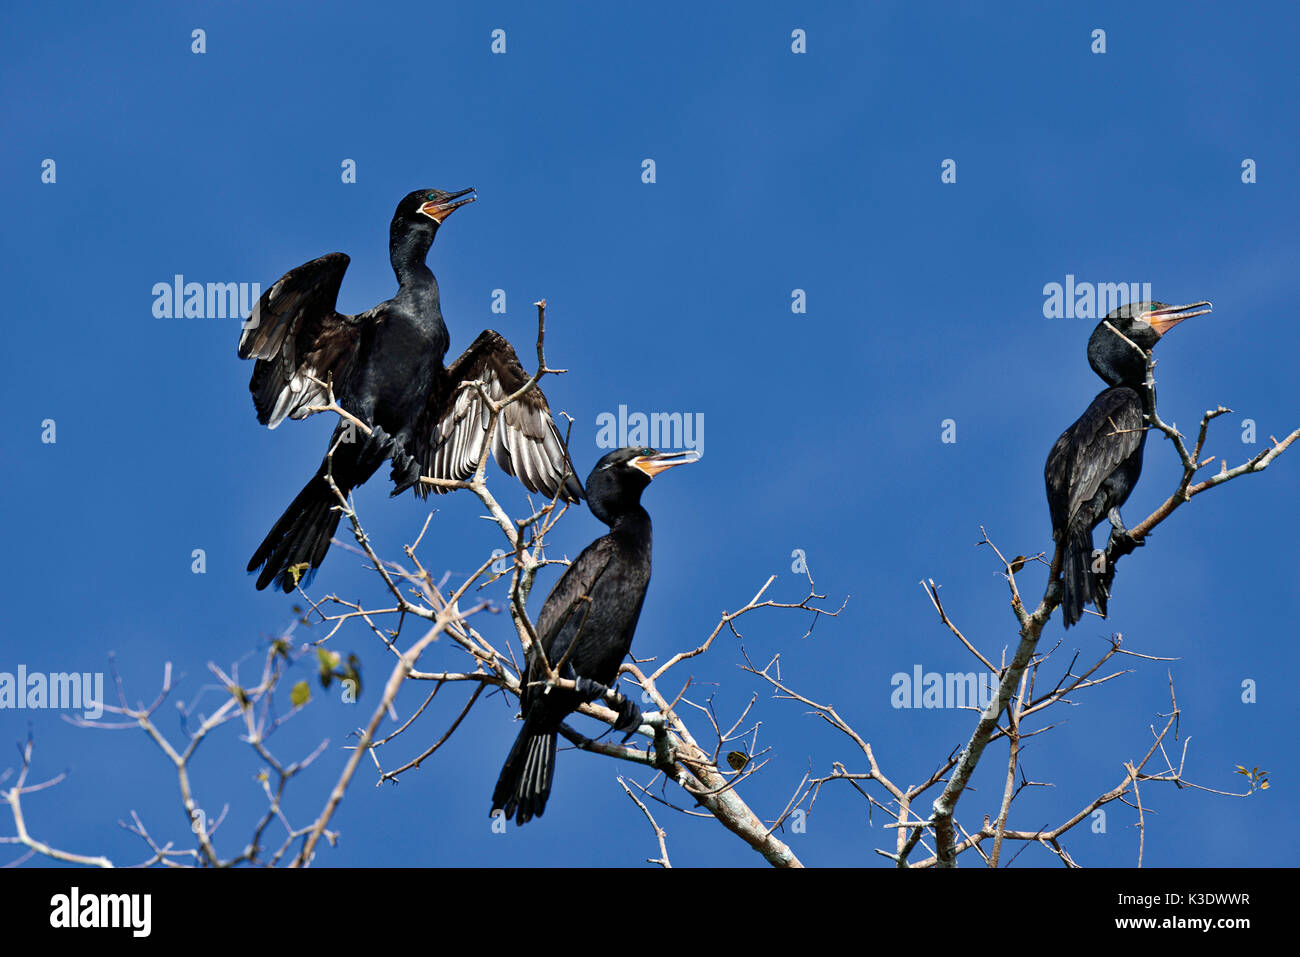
column 300, row 694
column 329, row 660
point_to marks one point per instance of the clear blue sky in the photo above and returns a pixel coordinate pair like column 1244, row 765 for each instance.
column 775, row 172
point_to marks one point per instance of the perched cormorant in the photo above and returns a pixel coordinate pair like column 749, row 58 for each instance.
column 1095, row 463
column 586, row 626
column 386, row 368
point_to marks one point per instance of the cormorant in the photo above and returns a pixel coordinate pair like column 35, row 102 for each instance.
column 386, row 368
column 1095, row 463
column 586, row 626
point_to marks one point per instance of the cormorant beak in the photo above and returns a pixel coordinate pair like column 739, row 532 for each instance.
column 1162, row 320
column 652, row 465
column 440, row 211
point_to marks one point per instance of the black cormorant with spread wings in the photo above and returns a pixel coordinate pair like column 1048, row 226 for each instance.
column 385, row 366
column 586, row 627
column 1095, row 463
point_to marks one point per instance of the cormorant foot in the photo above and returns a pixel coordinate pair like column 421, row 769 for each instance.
column 629, row 719
column 1122, row 542
column 629, row 715
column 377, row 445
column 406, row 472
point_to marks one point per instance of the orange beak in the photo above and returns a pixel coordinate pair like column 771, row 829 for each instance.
column 1162, row 320
column 652, row 465
column 438, row 211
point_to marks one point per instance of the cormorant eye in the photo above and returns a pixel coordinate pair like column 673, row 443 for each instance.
column 431, row 196
column 647, row 451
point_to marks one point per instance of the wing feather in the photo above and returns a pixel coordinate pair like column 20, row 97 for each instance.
column 563, row 616
column 526, row 443
column 296, row 335
column 1086, row 454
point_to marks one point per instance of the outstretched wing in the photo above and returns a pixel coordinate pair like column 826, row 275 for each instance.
column 1090, row 450
column 296, row 336
column 526, row 442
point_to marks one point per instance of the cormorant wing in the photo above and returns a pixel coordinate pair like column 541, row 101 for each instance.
column 1086, row 454
column 296, row 335
column 565, row 617
column 565, row 609
column 526, row 443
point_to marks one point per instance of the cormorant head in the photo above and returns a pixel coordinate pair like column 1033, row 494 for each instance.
column 416, row 222
column 429, row 207
column 615, row 485
column 438, row 205
column 1141, row 322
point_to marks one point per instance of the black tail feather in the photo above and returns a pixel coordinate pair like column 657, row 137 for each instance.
column 1074, row 579
column 300, row 537
column 1080, row 584
column 526, row 777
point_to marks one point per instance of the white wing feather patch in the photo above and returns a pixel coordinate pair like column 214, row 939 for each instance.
column 525, row 443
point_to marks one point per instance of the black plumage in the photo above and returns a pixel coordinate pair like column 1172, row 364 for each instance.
column 585, row 627
column 386, row 368
column 1096, row 462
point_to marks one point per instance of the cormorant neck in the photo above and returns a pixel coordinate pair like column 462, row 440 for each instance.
column 634, row 526
column 1119, row 365
column 633, row 520
column 407, row 249
column 1125, row 369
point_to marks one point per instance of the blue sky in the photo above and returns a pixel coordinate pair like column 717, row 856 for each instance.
column 774, row 172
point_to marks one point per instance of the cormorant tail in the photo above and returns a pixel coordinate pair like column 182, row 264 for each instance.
column 300, row 537
column 525, row 781
column 1077, row 578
